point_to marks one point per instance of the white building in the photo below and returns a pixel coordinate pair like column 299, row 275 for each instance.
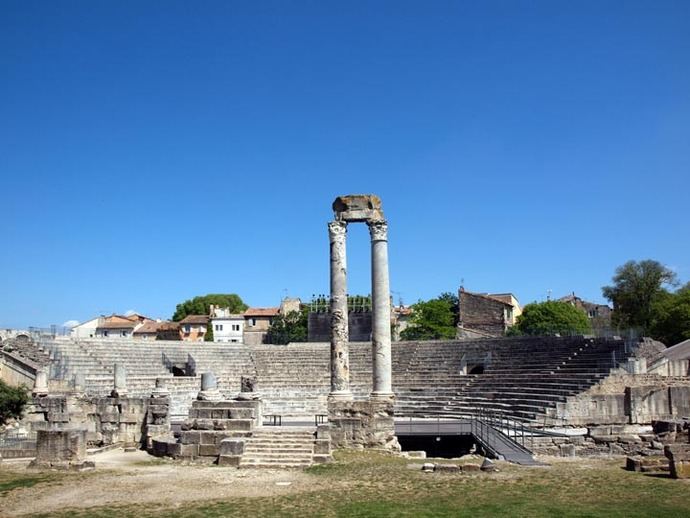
column 85, row 329
column 227, row 327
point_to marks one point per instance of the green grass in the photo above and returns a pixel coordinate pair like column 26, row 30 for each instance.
column 372, row 485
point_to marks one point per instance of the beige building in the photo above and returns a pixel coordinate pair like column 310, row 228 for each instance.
column 193, row 328
column 256, row 324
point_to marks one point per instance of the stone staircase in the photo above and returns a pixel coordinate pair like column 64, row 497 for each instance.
column 279, row 448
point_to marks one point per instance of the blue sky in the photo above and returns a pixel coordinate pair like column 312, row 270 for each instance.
column 153, row 151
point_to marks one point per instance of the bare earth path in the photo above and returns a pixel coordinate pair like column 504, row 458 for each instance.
column 137, row 478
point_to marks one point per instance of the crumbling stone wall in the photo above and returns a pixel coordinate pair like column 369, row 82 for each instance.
column 627, row 399
column 106, row 420
column 362, row 424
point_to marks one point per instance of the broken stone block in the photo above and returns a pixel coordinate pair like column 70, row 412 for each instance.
column 487, row 465
column 567, row 450
column 428, row 467
column 679, row 457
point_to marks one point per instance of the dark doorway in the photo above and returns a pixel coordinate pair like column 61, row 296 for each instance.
column 444, row 446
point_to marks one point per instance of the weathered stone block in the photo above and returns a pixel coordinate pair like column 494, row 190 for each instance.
column 232, row 447
column 190, row 437
column 322, row 447
column 470, row 468
column 679, row 457
column 208, row 438
column 208, row 450
column 189, row 450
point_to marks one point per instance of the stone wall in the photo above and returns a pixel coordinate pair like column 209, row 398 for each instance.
column 106, row 420
column 481, row 313
column 624, row 398
column 16, row 371
column 359, row 326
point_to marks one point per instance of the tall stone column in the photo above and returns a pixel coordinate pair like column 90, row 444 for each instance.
column 381, row 321
column 340, row 361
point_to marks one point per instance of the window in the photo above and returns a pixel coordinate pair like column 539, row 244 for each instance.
column 105, row 333
column 186, row 329
column 219, row 327
column 234, row 340
column 235, row 327
column 252, row 322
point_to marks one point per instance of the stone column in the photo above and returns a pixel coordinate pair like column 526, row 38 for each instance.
column 209, row 388
column 40, row 383
column 120, row 378
column 381, row 308
column 340, row 361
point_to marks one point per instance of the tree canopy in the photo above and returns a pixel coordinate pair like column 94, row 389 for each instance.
column 671, row 317
column 12, row 402
column 201, row 305
column 431, row 320
column 550, row 318
column 291, row 327
column 638, row 287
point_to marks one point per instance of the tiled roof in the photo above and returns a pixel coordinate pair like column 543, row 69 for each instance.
column 118, row 322
column 195, row 319
column 148, row 327
column 262, row 312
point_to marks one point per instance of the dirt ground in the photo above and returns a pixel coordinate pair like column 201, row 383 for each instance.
column 129, row 478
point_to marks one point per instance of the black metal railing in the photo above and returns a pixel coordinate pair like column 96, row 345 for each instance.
column 273, row 420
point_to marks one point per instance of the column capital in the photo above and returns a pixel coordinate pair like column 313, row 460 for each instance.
column 337, row 229
column 378, row 230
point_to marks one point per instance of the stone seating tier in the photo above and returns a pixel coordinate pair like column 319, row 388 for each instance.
column 523, row 377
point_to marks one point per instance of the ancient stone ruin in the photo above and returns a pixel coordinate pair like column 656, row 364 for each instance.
column 360, row 423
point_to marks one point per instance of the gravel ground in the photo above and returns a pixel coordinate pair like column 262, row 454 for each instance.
column 131, row 478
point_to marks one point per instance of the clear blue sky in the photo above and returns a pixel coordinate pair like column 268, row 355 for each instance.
column 153, row 151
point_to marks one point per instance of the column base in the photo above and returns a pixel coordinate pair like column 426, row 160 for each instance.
column 340, row 395
column 382, row 396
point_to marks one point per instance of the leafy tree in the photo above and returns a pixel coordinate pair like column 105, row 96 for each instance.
column 12, row 402
column 208, row 335
column 431, row 320
column 452, row 299
column 550, row 318
column 671, row 317
column 201, row 305
column 636, row 288
column 291, row 327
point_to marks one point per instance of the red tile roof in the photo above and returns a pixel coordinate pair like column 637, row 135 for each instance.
column 262, row 312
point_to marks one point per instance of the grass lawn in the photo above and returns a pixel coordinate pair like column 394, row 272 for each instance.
column 368, row 484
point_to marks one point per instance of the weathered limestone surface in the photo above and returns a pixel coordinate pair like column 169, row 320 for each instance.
column 358, row 208
column 679, row 459
column 120, row 381
column 340, row 362
column 362, row 424
column 61, row 449
column 209, row 388
column 381, row 325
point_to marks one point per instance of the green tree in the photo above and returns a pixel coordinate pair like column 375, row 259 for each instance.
column 201, row 305
column 452, row 299
column 291, row 327
column 671, row 317
column 550, row 318
column 637, row 287
column 208, row 335
column 431, row 320
column 12, row 402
